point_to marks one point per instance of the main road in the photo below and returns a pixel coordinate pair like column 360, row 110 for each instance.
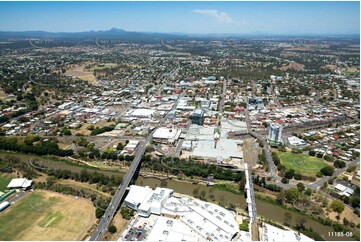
column 119, row 194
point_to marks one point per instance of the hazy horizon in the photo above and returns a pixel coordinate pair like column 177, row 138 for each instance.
column 278, row 18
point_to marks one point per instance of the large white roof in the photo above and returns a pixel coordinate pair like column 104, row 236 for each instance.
column 137, row 194
column 272, row 233
column 20, row 182
column 142, row 112
column 167, row 133
column 225, row 149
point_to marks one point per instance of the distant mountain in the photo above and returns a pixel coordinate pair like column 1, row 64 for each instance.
column 125, row 35
column 113, row 33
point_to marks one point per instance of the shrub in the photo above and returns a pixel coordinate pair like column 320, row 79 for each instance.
column 244, row 226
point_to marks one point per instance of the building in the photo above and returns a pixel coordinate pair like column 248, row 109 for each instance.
column 295, row 142
column 219, row 151
column 271, row 233
column 275, row 133
column 167, row 135
column 197, row 117
column 176, row 217
column 22, row 183
column 255, row 103
column 131, row 146
column 141, row 113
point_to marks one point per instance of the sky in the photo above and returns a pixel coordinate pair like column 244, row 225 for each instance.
column 184, row 17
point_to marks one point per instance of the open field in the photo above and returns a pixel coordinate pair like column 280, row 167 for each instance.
column 80, row 72
column 46, row 215
column 103, row 66
column 301, row 163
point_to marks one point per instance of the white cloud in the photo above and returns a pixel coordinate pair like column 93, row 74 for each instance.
column 221, row 17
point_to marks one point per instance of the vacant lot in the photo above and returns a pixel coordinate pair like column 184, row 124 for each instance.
column 45, row 215
column 302, row 163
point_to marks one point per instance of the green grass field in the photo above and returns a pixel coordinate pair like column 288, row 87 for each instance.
column 20, row 216
column 4, row 181
column 302, row 163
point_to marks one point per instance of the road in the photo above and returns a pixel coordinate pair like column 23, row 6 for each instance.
column 224, row 88
column 271, row 166
column 119, row 194
column 115, row 202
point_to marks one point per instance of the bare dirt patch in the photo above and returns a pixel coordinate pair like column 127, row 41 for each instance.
column 80, row 72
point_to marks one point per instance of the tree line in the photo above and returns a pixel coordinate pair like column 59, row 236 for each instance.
column 49, row 147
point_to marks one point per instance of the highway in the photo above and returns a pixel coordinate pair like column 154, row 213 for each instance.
column 119, row 194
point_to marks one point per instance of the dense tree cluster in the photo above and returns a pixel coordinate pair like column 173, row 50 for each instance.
column 49, row 147
column 189, row 168
column 262, row 182
column 98, row 130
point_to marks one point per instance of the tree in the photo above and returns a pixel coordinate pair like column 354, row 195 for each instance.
column 308, row 191
column 99, row 213
column 312, row 153
column 337, row 206
column 112, row 229
column 292, row 194
column 297, row 176
column 327, row 171
column 300, row 187
column 290, row 173
column 120, row 146
column 339, row 164
column 287, row 218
